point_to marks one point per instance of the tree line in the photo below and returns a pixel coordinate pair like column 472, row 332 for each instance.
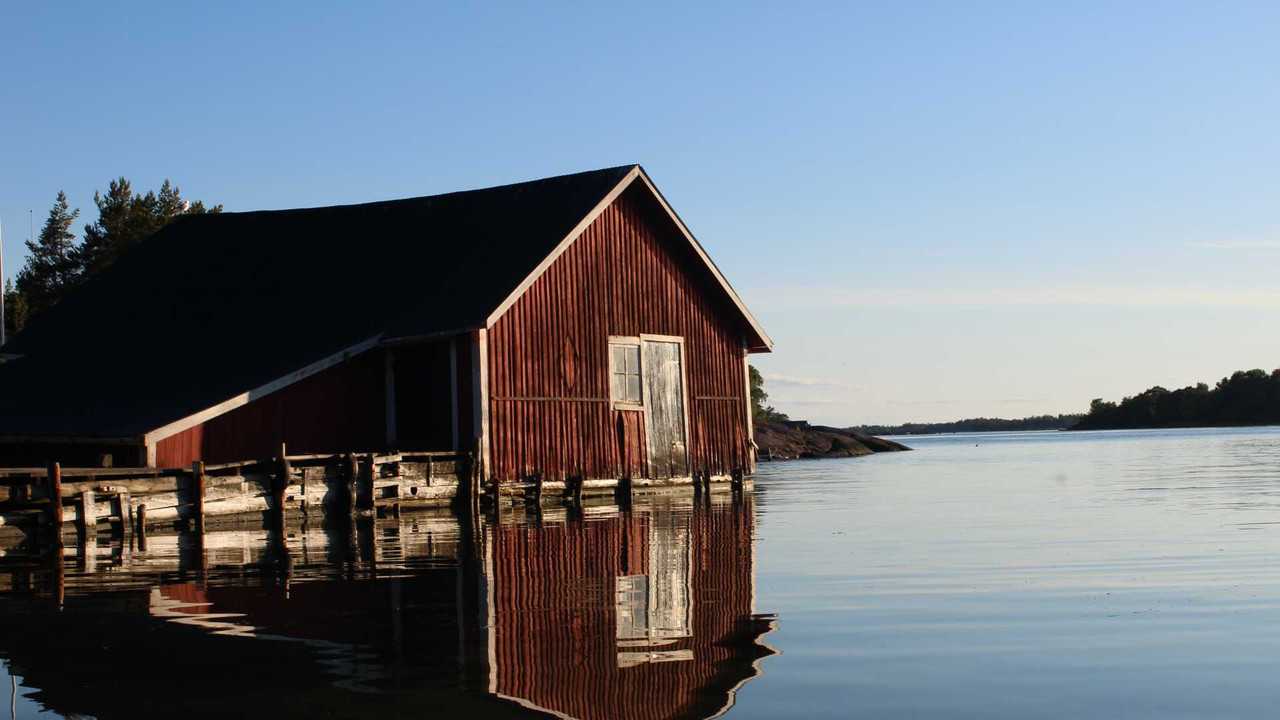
column 761, row 410
column 1035, row 422
column 57, row 262
column 1247, row 397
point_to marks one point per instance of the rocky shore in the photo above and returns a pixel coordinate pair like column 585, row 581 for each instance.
column 797, row 439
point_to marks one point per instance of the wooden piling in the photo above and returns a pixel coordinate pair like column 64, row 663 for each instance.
column 198, row 488
column 55, row 497
column 278, row 488
column 125, row 515
column 352, row 477
column 142, row 527
column 622, row 494
column 87, row 510
column 366, row 485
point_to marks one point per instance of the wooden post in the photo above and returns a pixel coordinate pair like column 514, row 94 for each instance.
column 88, row 515
column 198, row 485
column 366, row 486
column 55, row 497
column 622, row 494
column 126, row 517
column 353, row 476
column 142, row 527
column 277, row 490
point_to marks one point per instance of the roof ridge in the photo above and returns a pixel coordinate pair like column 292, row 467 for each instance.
column 418, row 198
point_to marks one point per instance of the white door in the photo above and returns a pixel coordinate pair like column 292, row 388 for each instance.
column 663, row 370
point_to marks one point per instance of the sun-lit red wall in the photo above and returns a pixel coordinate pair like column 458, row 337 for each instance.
column 629, row 273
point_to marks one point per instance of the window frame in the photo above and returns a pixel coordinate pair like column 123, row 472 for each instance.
column 631, row 343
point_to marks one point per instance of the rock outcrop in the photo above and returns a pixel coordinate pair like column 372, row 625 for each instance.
column 796, row 439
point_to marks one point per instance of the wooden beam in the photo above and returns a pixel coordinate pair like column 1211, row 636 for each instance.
column 125, row 504
column 55, row 496
column 751, row 432
column 480, row 399
column 364, row 493
column 87, row 514
column 142, row 527
column 278, row 487
column 198, row 481
column 245, row 398
column 352, row 477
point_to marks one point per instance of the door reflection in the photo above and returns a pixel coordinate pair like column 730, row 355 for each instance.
column 645, row 614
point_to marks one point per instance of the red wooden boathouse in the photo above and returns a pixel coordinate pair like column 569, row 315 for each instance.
column 564, row 328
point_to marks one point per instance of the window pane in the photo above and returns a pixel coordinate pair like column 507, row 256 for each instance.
column 633, row 388
column 633, row 359
column 617, row 361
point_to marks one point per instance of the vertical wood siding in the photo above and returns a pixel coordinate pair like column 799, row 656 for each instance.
column 339, row 409
column 555, row 615
column 630, row 273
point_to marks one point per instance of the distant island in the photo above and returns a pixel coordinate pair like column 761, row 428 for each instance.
column 797, row 439
column 1248, row 397
column 1037, row 422
column 778, row 437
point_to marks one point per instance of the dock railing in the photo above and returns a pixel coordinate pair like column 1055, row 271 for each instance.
column 134, row 499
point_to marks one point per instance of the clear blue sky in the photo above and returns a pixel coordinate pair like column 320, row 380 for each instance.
column 937, row 211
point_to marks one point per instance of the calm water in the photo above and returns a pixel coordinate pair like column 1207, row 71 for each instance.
column 1119, row 574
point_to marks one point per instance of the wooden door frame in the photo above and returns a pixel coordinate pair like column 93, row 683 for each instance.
column 684, row 402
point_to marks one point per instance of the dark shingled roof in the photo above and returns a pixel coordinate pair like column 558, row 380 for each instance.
column 215, row 305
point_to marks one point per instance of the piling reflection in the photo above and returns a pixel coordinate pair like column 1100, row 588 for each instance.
column 586, row 613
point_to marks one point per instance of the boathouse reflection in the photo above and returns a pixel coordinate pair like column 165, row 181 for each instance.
column 585, row 613
column 647, row 614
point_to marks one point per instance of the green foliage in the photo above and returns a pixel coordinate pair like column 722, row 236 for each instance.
column 1248, row 397
column 761, row 411
column 15, row 310
column 1037, row 422
column 56, row 263
column 126, row 219
column 51, row 267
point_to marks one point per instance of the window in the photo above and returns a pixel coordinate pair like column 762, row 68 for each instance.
column 624, row 372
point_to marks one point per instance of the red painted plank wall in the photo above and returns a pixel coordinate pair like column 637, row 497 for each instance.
column 555, row 615
column 339, row 409
column 629, row 273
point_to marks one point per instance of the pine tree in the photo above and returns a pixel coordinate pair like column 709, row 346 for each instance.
column 15, row 310
column 126, row 219
column 51, row 267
